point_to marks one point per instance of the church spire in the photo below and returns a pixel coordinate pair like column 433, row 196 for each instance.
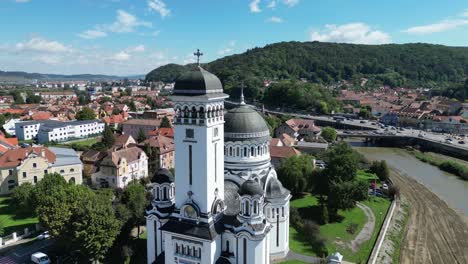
column 242, row 102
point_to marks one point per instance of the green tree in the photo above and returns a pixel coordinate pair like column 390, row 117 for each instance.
column 295, row 171
column 141, row 135
column 165, row 122
column 329, row 134
column 153, row 157
column 94, row 227
column 108, row 138
column 33, row 99
column 23, row 199
column 85, row 114
column 132, row 106
column 134, row 197
column 380, row 168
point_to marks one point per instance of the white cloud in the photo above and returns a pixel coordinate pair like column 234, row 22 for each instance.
column 160, row 7
column 92, row 34
column 290, row 2
column 437, row 27
column 275, row 19
column 138, row 48
column 126, row 22
column 465, row 13
column 358, row 33
column 272, row 4
column 254, row 6
column 121, row 56
column 38, row 44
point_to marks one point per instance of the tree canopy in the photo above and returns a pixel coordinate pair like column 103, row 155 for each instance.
column 85, row 114
column 411, row 65
column 329, row 134
column 295, row 172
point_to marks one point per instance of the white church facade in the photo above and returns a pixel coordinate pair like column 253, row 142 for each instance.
column 225, row 203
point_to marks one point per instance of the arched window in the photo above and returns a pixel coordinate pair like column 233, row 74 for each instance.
column 227, row 245
column 245, row 151
column 247, row 208
column 237, row 151
column 230, row 151
column 255, row 207
column 190, row 212
column 258, row 150
column 157, row 193
column 252, row 151
column 35, row 179
column 176, row 248
column 164, row 193
column 71, row 181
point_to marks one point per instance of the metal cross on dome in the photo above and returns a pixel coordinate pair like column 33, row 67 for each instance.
column 198, row 54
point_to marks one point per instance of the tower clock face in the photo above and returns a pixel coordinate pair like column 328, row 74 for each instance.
column 190, row 212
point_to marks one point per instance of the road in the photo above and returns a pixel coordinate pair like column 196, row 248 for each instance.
column 435, row 232
column 21, row 253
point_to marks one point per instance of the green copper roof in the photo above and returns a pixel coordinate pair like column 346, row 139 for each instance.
column 244, row 120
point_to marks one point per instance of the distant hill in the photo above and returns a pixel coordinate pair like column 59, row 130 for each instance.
column 17, row 75
column 412, row 65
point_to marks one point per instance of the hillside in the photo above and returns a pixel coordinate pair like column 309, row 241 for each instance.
column 413, row 65
column 17, row 75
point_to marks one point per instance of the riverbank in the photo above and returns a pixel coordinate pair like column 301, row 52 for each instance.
column 450, row 166
column 435, row 233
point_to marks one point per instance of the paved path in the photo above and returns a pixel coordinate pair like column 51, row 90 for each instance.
column 304, row 258
column 366, row 232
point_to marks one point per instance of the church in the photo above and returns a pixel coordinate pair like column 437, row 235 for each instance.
column 225, row 203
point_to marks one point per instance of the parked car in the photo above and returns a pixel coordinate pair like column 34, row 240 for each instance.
column 461, row 142
column 40, row 258
column 43, row 236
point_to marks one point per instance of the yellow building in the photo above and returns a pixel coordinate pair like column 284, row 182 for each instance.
column 21, row 165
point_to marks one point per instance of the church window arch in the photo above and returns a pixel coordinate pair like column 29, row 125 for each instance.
column 194, row 112
column 177, row 248
column 255, row 210
column 190, row 212
column 245, row 151
column 252, row 150
column 247, row 208
column 230, row 151
column 227, row 245
column 237, row 151
column 157, row 193
column 165, row 194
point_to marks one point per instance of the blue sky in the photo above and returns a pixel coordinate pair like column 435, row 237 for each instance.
column 134, row 36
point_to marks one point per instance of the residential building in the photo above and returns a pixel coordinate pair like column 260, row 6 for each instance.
column 133, row 126
column 9, row 126
column 21, row 165
column 56, row 95
column 165, row 147
column 51, row 130
column 299, row 129
column 120, row 167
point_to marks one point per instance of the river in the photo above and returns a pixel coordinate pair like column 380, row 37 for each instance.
column 447, row 186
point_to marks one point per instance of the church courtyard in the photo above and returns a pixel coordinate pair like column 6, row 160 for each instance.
column 341, row 236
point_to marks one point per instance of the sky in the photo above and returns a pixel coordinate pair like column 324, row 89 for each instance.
column 130, row 37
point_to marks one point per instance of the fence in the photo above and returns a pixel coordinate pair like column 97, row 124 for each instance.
column 17, row 236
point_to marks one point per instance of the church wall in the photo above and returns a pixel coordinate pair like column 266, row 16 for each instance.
column 256, row 251
column 150, row 240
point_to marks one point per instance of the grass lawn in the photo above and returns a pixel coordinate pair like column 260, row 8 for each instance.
column 337, row 238
column 8, row 219
column 366, row 176
column 85, row 143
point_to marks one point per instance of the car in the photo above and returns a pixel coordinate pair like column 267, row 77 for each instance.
column 461, row 142
column 385, row 186
column 363, row 121
column 43, row 236
column 24, row 145
column 40, row 258
column 373, row 123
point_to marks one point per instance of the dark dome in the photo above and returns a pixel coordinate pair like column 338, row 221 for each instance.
column 244, row 119
column 250, row 187
column 275, row 189
column 162, row 176
column 197, row 82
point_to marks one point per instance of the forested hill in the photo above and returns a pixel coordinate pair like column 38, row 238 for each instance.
column 393, row 64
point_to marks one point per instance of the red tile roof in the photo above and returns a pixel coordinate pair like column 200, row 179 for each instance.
column 14, row 157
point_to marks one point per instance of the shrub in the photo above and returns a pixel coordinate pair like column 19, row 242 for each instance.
column 351, row 228
column 295, row 218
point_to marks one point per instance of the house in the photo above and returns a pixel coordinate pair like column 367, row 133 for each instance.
column 299, row 129
column 114, row 121
column 7, row 143
column 91, row 159
column 56, row 95
column 163, row 131
column 279, row 153
column 165, row 146
column 21, row 165
column 133, row 126
column 123, row 141
column 120, row 167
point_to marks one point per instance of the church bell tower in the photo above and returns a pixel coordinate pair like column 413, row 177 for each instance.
column 199, row 145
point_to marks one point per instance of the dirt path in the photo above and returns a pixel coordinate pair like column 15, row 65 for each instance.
column 366, row 232
column 435, row 233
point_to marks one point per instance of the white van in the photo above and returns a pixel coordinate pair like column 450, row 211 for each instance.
column 40, row 258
